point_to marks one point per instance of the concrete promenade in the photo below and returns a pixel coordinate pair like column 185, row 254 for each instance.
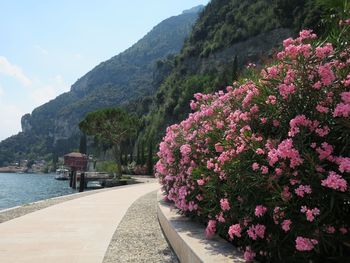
column 76, row 231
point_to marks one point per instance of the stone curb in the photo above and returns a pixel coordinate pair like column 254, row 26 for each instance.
column 188, row 240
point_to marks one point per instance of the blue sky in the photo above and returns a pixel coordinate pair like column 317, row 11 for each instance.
column 46, row 45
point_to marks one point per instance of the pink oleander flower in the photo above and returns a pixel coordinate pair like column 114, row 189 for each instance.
column 345, row 97
column 344, row 164
column 324, row 51
column 310, row 213
column 306, row 34
column 325, row 151
column 286, row 194
column 200, row 182
column 342, row 110
column 249, row 254
column 210, row 164
column 219, row 148
column 330, row 229
column 286, row 89
column 285, row 150
column 286, row 225
column 322, row 132
column 256, row 231
column 322, row 109
column 287, row 42
column 278, row 171
column 255, row 166
column 225, row 204
column 220, row 217
column 211, row 229
column 326, row 74
column 260, row 151
column 295, row 123
column 343, row 230
column 302, row 190
column 335, row 181
column 271, row 100
column 234, row 230
column 199, row 197
column 305, row 244
column 264, row 169
column 260, row 210
column 193, row 105
column 185, row 149
column 220, row 124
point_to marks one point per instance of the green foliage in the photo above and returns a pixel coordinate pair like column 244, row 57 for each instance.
column 109, row 167
column 224, row 22
column 30, row 164
column 222, row 25
column 82, row 145
column 299, row 14
column 112, row 125
column 150, row 158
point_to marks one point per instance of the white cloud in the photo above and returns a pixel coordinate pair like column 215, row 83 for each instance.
column 41, row 50
column 14, row 71
column 10, row 116
column 46, row 92
column 77, row 56
column 1, row 92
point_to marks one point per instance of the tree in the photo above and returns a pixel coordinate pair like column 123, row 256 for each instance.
column 54, row 160
column 82, row 145
column 150, row 158
column 113, row 125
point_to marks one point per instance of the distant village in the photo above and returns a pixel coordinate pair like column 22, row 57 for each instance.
column 29, row 166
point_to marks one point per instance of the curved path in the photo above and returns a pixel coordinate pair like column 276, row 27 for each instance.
column 76, row 231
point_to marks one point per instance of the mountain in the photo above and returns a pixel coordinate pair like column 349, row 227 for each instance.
column 53, row 127
column 227, row 35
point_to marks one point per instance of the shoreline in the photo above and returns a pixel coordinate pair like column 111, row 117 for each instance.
column 21, row 210
column 11, row 170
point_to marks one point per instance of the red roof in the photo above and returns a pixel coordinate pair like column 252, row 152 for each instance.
column 77, row 161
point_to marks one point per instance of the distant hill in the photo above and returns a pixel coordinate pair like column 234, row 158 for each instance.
column 132, row 74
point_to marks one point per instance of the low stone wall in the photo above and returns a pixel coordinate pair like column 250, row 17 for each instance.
column 188, row 240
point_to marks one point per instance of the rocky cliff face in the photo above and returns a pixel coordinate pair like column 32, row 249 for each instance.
column 25, row 123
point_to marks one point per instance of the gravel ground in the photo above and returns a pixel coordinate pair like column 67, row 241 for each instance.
column 139, row 237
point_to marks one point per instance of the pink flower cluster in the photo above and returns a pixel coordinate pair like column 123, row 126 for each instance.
column 335, row 181
column 260, row 210
column 256, row 231
column 305, row 244
column 310, row 213
column 234, row 230
column 267, row 159
column 211, row 229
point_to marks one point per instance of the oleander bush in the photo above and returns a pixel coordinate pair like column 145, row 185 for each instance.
column 266, row 164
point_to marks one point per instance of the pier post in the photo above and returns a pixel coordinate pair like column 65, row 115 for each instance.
column 82, row 182
column 74, row 185
column 71, row 179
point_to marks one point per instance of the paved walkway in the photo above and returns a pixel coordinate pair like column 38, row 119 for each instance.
column 76, row 231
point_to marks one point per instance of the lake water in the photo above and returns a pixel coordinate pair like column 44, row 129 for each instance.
column 19, row 189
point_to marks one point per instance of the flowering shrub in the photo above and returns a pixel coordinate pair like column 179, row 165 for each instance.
column 267, row 163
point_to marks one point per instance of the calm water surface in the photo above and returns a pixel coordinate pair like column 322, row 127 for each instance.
column 19, row 189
